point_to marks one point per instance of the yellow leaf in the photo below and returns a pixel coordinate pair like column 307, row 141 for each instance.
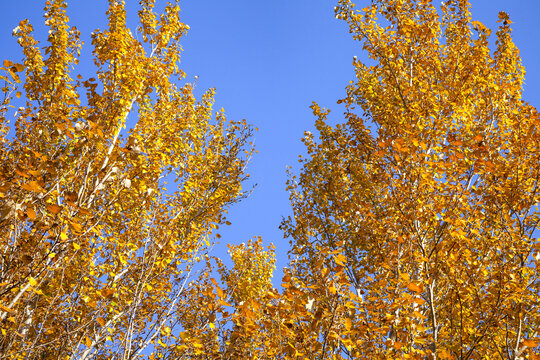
column 76, row 246
column 340, row 259
column 32, row 281
column 224, row 303
column 211, row 325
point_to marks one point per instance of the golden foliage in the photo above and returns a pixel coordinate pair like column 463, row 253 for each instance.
column 415, row 221
column 96, row 251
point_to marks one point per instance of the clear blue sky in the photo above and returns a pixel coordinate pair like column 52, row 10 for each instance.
column 269, row 60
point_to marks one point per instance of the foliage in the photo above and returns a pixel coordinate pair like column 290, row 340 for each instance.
column 415, row 221
column 414, row 226
column 96, row 252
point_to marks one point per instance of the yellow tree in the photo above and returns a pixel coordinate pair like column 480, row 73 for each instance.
column 235, row 317
column 415, row 222
column 95, row 251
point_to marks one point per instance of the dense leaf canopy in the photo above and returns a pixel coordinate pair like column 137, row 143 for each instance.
column 414, row 221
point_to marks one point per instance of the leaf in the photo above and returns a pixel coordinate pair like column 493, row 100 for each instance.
column 531, row 343
column 219, row 292
column 54, row 209
column 340, row 259
column 32, row 186
column 413, row 287
column 419, row 301
column 31, row 214
column 108, row 293
column 6, row 309
column 71, row 196
column 75, row 227
column 18, row 67
column 8, row 63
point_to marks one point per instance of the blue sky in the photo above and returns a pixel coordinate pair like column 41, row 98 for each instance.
column 269, row 60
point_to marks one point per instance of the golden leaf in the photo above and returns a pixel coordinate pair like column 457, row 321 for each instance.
column 340, row 259
column 6, row 309
column 413, row 287
column 32, row 186
column 108, row 293
column 54, row 209
column 31, row 214
column 75, row 227
column 348, row 324
column 531, row 342
column 18, row 67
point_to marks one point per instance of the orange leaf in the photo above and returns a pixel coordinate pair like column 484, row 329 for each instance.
column 6, row 309
column 31, row 214
column 18, row 67
column 219, row 291
column 76, row 227
column 531, row 343
column 419, row 301
column 54, row 209
column 414, row 287
column 32, row 186
column 107, row 293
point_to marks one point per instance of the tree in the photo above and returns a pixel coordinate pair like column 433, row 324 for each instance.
column 96, row 251
column 235, row 316
column 414, row 231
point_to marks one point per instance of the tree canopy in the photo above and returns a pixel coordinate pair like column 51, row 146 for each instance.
column 413, row 232
column 96, row 252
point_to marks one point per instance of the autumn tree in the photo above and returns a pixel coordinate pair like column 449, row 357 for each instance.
column 414, row 232
column 235, row 315
column 96, row 251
